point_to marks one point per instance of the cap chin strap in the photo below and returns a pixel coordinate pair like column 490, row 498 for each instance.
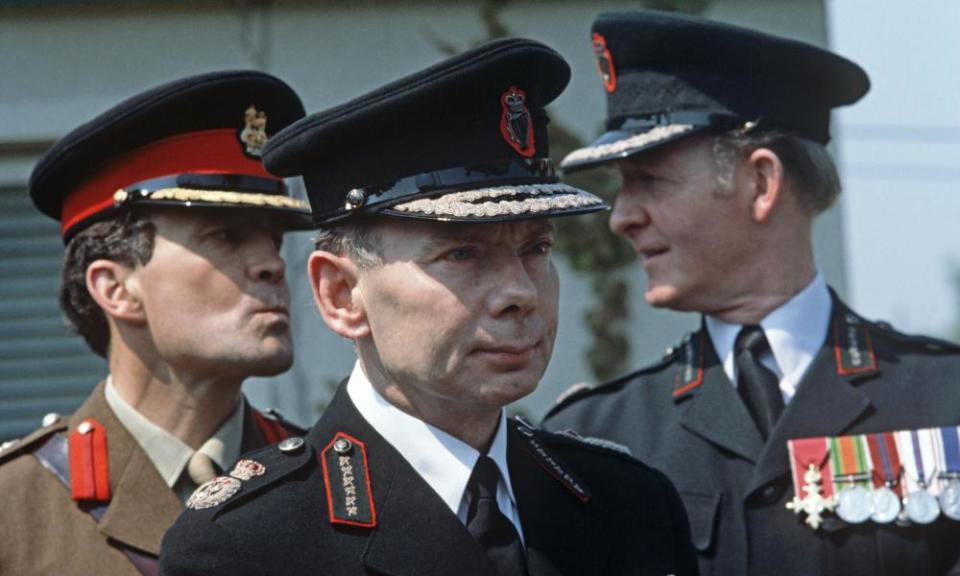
column 214, row 189
column 697, row 118
column 514, row 172
column 194, row 181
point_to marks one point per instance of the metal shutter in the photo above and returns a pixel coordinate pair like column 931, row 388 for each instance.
column 43, row 366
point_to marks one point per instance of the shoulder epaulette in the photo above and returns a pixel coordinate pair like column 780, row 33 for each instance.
column 583, row 390
column 929, row 343
column 609, row 445
column 52, row 423
column 670, row 356
column 254, row 472
column 573, row 439
column 572, row 391
column 346, row 477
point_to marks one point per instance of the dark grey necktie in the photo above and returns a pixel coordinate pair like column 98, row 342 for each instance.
column 759, row 388
column 487, row 524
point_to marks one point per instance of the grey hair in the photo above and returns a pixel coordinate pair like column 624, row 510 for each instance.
column 807, row 165
column 357, row 239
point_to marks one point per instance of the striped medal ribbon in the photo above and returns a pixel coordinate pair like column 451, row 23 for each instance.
column 850, row 468
column 885, row 464
column 949, row 497
column 919, row 448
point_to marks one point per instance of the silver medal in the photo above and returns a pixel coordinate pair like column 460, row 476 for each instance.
column 213, row 493
column 950, row 499
column 853, row 504
column 922, row 508
column 886, row 505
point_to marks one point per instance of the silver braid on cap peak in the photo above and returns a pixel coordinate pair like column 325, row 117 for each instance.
column 604, row 150
column 500, row 201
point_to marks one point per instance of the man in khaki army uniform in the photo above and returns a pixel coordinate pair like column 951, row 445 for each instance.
column 173, row 274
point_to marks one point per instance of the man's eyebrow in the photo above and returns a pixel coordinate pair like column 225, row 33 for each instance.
column 454, row 233
column 478, row 233
column 544, row 225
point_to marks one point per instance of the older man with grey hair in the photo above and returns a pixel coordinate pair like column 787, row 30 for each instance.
column 719, row 134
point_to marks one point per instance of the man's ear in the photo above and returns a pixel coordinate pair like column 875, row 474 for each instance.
column 113, row 287
column 333, row 280
column 764, row 176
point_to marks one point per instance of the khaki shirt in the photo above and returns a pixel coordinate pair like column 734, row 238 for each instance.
column 168, row 453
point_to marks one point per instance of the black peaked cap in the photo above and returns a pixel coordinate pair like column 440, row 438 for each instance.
column 421, row 137
column 198, row 103
column 661, row 69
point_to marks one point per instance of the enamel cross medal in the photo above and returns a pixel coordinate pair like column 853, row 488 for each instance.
column 809, row 454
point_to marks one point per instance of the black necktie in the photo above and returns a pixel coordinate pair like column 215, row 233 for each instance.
column 487, row 524
column 759, row 388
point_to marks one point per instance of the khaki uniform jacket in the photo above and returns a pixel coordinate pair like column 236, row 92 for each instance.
column 44, row 531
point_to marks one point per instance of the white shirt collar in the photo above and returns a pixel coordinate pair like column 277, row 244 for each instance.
column 444, row 462
column 167, row 452
column 796, row 331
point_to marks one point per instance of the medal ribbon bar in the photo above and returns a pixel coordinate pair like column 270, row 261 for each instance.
column 883, row 451
column 949, row 461
column 848, row 460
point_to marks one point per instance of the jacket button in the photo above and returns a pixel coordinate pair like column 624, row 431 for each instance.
column 291, row 444
column 770, row 494
column 342, row 446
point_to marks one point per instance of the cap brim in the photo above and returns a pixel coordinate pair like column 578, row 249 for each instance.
column 501, row 203
column 288, row 213
column 618, row 144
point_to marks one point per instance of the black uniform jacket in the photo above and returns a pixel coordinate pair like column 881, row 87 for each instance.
column 683, row 416
column 584, row 510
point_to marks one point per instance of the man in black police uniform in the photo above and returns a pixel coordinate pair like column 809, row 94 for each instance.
column 433, row 195
column 719, row 135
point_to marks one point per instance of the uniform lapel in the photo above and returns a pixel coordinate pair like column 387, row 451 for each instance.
column 415, row 533
column 827, row 401
column 556, row 523
column 142, row 507
column 711, row 408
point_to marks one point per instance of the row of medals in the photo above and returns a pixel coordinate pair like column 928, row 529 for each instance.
column 856, row 504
